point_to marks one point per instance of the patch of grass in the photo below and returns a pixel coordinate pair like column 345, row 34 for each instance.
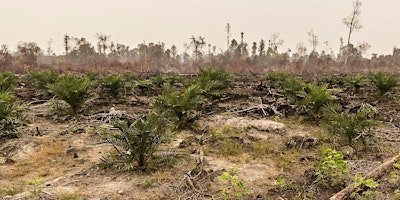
column 69, row 196
column 262, row 148
column 146, row 183
column 36, row 184
column 10, row 191
column 230, row 147
column 288, row 159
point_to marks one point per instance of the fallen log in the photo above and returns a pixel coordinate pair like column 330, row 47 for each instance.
column 374, row 174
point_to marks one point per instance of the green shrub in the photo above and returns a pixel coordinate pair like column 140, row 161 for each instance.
column 92, row 75
column 309, row 97
column 10, row 111
column 331, row 169
column 170, row 79
column 290, row 86
column 357, row 82
column 41, row 80
column 112, row 85
column 73, row 89
column 213, row 81
column 276, row 78
column 8, row 81
column 233, row 187
column 364, row 188
column 137, row 141
column 383, row 82
column 352, row 127
column 143, row 87
column 181, row 105
column 314, row 98
column 336, row 80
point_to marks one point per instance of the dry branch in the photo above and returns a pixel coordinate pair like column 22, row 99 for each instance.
column 374, row 174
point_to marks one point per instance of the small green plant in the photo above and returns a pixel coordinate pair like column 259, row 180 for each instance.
column 396, row 194
column 92, row 75
column 233, row 187
column 364, row 188
column 171, row 79
column 357, row 82
column 147, row 183
column 335, row 80
column 183, row 105
column 397, row 164
column 112, row 85
column 212, row 82
column 394, row 179
column 73, row 89
column 8, row 81
column 331, row 169
column 10, row 111
column 314, row 99
column 352, row 127
column 383, row 82
column 37, row 186
column 291, row 86
column 281, row 184
column 136, row 141
column 143, row 87
column 40, row 81
column 10, row 191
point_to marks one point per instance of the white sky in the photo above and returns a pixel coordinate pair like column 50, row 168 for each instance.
column 174, row 21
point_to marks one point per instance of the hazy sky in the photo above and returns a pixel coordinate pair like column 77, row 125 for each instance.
column 174, row 21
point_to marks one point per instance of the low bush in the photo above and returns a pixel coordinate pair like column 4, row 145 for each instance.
column 112, row 85
column 183, row 105
column 136, row 141
column 353, row 128
column 212, row 82
column 73, row 89
column 8, row 81
column 233, row 187
column 383, row 82
column 331, row 169
column 314, row 98
column 41, row 80
column 10, row 111
column 364, row 188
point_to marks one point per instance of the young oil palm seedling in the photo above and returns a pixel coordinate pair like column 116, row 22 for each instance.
column 136, row 142
column 314, row 98
column 72, row 89
column 383, row 82
column 8, row 81
column 213, row 81
column 353, row 128
column 112, row 85
column 10, row 111
column 41, row 80
column 183, row 105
